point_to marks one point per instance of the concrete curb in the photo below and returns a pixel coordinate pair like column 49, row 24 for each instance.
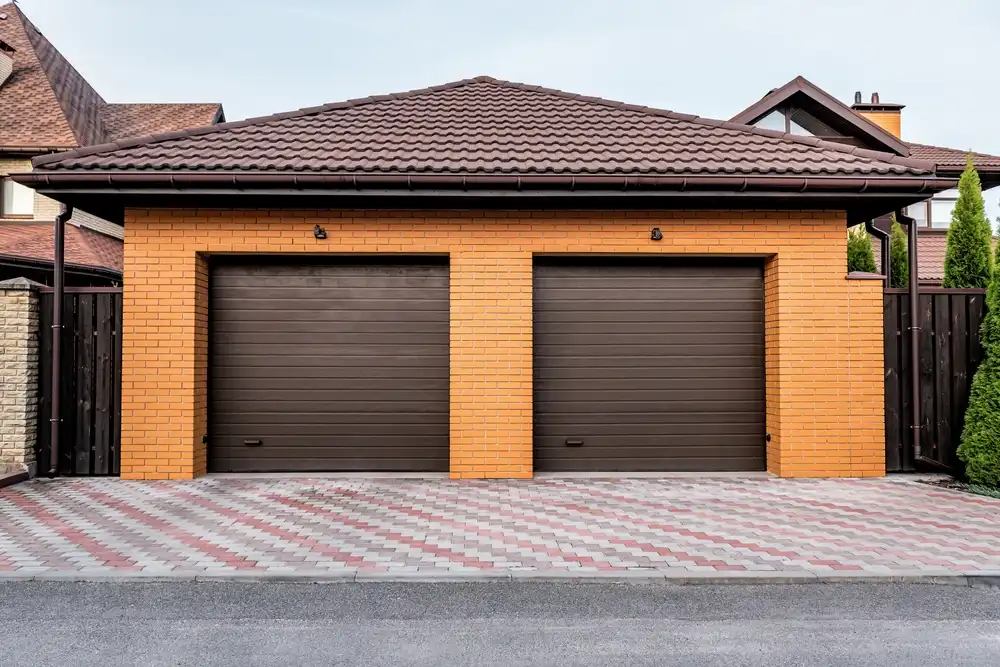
column 942, row 578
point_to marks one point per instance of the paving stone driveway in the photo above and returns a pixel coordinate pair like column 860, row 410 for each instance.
column 324, row 526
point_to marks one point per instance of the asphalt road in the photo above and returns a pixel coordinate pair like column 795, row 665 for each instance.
column 208, row 624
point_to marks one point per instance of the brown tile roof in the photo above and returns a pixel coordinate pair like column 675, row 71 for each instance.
column 135, row 120
column 84, row 247
column 931, row 246
column 952, row 158
column 484, row 126
column 46, row 103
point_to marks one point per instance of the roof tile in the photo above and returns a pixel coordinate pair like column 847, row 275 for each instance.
column 486, row 126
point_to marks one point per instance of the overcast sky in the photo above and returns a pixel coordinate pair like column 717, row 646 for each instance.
column 708, row 57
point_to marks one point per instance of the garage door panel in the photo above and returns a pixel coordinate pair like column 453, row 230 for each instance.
column 655, row 464
column 294, row 391
column 557, row 432
column 673, row 362
column 655, row 364
column 654, row 396
column 331, row 365
column 353, row 372
column 317, row 316
column 344, row 347
column 712, row 336
column 358, row 336
column 581, row 316
column 578, row 373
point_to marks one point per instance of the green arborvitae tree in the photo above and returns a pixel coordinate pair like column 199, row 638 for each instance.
column 968, row 260
column 899, row 256
column 980, row 446
column 859, row 251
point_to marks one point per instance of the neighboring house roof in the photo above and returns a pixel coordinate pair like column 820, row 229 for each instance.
column 46, row 103
column 484, row 126
column 953, row 159
column 799, row 91
column 931, row 244
column 83, row 247
column 133, row 120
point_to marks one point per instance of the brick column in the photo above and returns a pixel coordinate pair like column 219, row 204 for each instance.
column 18, row 374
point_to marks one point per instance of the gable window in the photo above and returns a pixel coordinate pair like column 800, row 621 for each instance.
column 16, row 200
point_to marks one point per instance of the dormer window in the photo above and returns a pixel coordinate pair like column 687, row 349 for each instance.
column 6, row 61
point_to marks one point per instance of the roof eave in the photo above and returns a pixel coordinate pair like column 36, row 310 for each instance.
column 109, row 182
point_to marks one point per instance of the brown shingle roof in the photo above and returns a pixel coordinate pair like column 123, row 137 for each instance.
column 84, row 247
column 484, row 126
column 46, row 103
column 931, row 246
column 37, row 101
column 136, row 120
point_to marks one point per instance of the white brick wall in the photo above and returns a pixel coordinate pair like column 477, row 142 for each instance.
column 18, row 376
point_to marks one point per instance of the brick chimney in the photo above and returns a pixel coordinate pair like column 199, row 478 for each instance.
column 6, row 61
column 886, row 115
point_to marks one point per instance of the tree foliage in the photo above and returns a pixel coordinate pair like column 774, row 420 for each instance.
column 899, row 256
column 859, row 251
column 980, row 446
column 968, row 260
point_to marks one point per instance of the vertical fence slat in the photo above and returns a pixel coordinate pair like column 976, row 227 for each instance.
column 906, row 382
column 84, row 384
column 960, row 378
column 116, row 386
column 104, row 375
column 67, row 385
column 942, row 378
column 44, row 429
column 890, row 322
column 925, row 320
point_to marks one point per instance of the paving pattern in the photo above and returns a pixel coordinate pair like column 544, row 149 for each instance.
column 323, row 526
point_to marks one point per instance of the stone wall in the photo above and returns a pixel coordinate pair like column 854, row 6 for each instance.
column 18, row 374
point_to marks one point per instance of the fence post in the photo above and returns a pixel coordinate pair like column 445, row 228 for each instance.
column 18, row 374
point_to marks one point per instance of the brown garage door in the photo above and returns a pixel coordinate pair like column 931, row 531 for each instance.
column 329, row 366
column 649, row 365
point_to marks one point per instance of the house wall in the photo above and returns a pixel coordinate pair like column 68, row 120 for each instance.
column 822, row 332
column 46, row 209
column 890, row 121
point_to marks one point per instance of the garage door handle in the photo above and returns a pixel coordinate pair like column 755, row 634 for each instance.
column 253, row 443
column 574, row 443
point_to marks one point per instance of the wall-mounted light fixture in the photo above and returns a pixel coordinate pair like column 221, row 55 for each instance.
column 657, row 235
column 319, row 232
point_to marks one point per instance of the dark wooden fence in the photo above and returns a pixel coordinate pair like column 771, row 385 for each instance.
column 90, row 389
column 950, row 352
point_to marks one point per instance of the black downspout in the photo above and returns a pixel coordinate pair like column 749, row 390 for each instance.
column 884, row 250
column 58, row 284
column 911, row 225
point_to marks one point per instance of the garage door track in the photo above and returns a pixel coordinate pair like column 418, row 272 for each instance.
column 372, row 528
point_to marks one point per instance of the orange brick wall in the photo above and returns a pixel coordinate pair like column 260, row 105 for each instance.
column 818, row 428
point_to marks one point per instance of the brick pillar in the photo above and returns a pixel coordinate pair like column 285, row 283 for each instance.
column 18, row 374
